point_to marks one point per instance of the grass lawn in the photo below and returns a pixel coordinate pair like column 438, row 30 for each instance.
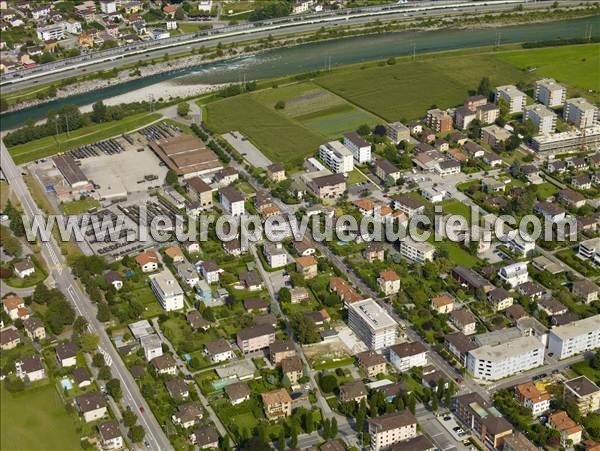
column 454, row 207
column 355, row 177
column 192, row 27
column 38, row 276
column 78, row 207
column 333, row 364
column 545, row 190
column 407, row 89
column 456, row 252
column 51, row 145
column 36, row 419
column 584, row 369
column 576, row 65
column 4, row 189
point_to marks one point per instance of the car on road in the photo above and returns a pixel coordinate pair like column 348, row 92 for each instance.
column 447, row 418
column 142, row 410
column 456, row 428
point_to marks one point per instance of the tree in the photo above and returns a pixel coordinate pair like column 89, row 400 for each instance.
column 411, row 403
column 99, row 112
column 113, row 387
column 281, row 440
column 306, row 331
column 12, row 246
column 129, row 418
column 391, row 61
column 280, row 105
column 104, row 373
column 180, row 14
column 171, row 178
column 89, row 342
column 309, row 424
column 364, row 130
column 98, row 360
column 328, row 383
column 103, row 314
column 334, row 427
column 183, row 109
column 379, row 130
column 284, row 295
column 361, row 415
column 434, row 402
column 41, row 293
column 293, row 437
column 136, row 433
column 485, row 87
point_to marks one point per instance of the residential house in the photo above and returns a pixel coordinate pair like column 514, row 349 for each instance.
column 500, row 299
column 34, row 328
column 187, row 415
column 277, row 403
column 275, row 254
column 374, row 252
column 218, row 350
column 14, row 307
column 572, row 199
column 152, row 346
column 205, row 437
column 471, row 279
column 110, row 435
column 459, row 345
column 307, row 267
column 409, row 205
column 443, row 304
column 464, row 321
column 353, row 391
column 165, row 364
column 253, row 305
column 279, row 350
column 255, row 338
column 550, row 211
column 251, row 280
column 292, row 368
column 92, row 406
column 570, row 432
column 405, row 356
column 299, row 294
column 24, row 268
column 178, row 389
column 209, row 270
column 232, row 201
column 167, row 290
column 552, row 307
column 389, row 282
column 238, row 392
column 371, row 362
column 82, row 377
column 386, row 170
column 114, row 279
column 530, row 289
column 304, row 247
column 66, row 354
column 9, row 338
column 530, row 397
column 196, row 320
column 581, row 182
column 147, row 261
column 586, row 290
column 514, row 274
column 344, row 290
column 328, row 186
column 584, row 393
column 187, row 273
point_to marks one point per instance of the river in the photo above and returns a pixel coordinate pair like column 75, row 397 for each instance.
column 308, row 57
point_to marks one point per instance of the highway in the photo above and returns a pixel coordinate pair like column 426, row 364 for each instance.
column 66, row 283
column 131, row 54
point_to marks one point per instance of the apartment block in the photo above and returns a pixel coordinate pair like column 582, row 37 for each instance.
column 397, row 132
column 548, row 92
column 255, row 338
column 337, row 157
column 579, row 112
column 391, row 428
column 167, row 290
column 483, row 419
column 372, row 324
column 439, row 120
column 514, row 98
column 405, row 356
column 584, row 393
column 542, row 117
column 419, row 252
column 497, row 362
column 575, row 338
column 569, row 141
column 360, row 148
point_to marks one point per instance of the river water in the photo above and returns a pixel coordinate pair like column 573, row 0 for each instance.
column 308, row 57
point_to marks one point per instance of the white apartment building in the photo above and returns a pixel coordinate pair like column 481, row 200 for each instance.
column 497, row 362
column 390, row 428
column 589, row 250
column 360, row 148
column 56, row 31
column 522, row 246
column 337, row 157
column 542, row 117
column 167, row 290
column 575, row 338
column 579, row 112
column 419, row 252
column 513, row 97
column 275, row 254
column 108, row 6
column 405, row 356
column 549, row 92
column 232, row 201
column 372, row 324
column 514, row 274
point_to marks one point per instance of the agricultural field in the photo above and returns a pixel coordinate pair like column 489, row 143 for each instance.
column 50, row 145
column 36, row 413
column 576, row 66
column 406, row 89
column 311, row 116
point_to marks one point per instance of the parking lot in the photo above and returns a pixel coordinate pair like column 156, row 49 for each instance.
column 434, row 428
column 248, row 150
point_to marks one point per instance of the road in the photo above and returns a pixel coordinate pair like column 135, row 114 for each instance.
column 122, row 56
column 189, row 376
column 66, row 283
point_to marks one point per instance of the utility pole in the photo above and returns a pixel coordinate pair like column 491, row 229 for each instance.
column 498, row 39
column 414, row 51
column 329, row 70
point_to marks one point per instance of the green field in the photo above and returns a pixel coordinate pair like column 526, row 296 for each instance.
column 36, row 419
column 576, row 66
column 78, row 207
column 407, row 89
column 51, row 145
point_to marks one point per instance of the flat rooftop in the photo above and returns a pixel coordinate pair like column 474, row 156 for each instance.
column 577, row 328
column 372, row 314
column 507, row 350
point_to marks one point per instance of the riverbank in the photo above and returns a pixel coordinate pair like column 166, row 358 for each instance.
column 186, row 60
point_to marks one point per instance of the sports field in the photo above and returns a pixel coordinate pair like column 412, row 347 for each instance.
column 576, row 66
column 51, row 145
column 311, row 116
column 36, row 419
